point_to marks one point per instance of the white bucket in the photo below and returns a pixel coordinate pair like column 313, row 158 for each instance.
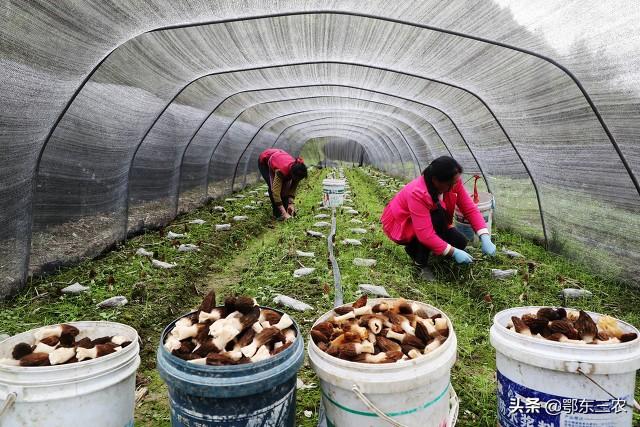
column 94, row 393
column 485, row 206
column 333, row 192
column 559, row 379
column 411, row 393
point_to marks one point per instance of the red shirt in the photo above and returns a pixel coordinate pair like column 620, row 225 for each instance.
column 277, row 160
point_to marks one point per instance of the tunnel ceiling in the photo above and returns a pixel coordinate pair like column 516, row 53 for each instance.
column 113, row 110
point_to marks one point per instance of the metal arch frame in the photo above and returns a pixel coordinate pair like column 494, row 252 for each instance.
column 312, row 128
column 347, row 128
column 362, row 15
column 337, row 85
column 293, row 64
column 472, row 94
column 293, row 99
column 396, row 129
column 483, row 102
column 330, row 114
column 449, row 32
column 318, row 111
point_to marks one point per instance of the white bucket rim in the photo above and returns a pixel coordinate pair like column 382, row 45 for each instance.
column 18, row 338
column 600, row 347
column 386, row 367
column 565, row 357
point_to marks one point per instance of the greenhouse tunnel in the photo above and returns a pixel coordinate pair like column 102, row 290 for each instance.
column 117, row 116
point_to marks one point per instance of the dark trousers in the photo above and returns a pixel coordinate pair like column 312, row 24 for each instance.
column 420, row 253
column 264, row 171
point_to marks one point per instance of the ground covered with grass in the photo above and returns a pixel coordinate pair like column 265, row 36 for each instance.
column 258, row 257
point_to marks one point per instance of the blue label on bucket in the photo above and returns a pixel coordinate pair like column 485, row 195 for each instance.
column 519, row 406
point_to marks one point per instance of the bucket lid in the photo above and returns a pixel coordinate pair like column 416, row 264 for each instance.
column 565, row 357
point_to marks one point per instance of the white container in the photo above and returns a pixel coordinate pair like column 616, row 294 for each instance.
column 94, row 393
column 486, row 205
column 552, row 374
column 333, row 192
column 411, row 393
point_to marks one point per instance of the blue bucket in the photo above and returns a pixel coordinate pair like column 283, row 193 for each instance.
column 254, row 394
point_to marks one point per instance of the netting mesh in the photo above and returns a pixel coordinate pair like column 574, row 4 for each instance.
column 118, row 115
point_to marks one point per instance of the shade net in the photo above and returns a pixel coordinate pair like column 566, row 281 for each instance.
column 118, row 115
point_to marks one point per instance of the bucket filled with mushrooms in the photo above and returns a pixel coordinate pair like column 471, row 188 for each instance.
column 560, row 366
column 231, row 365
column 77, row 373
column 384, row 362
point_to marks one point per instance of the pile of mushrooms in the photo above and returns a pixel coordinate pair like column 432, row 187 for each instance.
column 236, row 333
column 382, row 333
column 570, row 326
column 57, row 345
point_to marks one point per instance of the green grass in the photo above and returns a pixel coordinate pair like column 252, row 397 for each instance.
column 258, row 258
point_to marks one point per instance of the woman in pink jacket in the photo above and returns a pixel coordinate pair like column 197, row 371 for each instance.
column 420, row 216
column 282, row 173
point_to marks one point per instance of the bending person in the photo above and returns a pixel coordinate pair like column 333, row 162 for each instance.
column 282, row 173
column 420, row 216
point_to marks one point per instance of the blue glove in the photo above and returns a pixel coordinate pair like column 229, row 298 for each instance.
column 462, row 257
column 488, row 248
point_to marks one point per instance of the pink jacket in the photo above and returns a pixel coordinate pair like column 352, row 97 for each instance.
column 278, row 160
column 408, row 214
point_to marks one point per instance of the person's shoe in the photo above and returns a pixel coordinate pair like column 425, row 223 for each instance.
column 427, row 274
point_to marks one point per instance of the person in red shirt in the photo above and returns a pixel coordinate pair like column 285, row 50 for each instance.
column 282, row 173
column 420, row 216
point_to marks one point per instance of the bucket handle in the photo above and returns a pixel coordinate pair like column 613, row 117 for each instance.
column 8, row 403
column 454, row 404
column 635, row 405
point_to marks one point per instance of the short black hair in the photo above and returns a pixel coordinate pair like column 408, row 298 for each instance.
column 299, row 171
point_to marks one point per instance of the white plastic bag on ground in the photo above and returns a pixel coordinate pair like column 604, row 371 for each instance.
column 230, row 199
column 188, row 247
column 352, row 242
column 321, row 224
column 358, row 230
column 239, row 218
column 304, row 271
column 292, row 303
column 172, row 235
column 512, row 254
column 143, row 252
column 355, row 221
column 364, row 262
column 75, row 289
column 219, row 208
column 305, row 254
column 197, row 221
column 321, row 216
column 374, row 290
column 575, row 293
column 223, row 227
column 352, row 212
column 163, row 265
column 314, row 233
column 112, row 302
column 502, row 274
